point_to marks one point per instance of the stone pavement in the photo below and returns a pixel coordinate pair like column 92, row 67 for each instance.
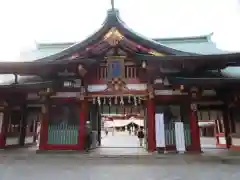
column 124, row 140
column 25, row 164
column 208, row 142
column 49, row 167
column 117, row 147
column 120, row 140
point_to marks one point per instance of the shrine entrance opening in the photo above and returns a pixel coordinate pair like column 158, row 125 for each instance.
column 115, row 122
column 211, row 127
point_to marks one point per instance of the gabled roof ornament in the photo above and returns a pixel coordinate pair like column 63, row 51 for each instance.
column 112, row 4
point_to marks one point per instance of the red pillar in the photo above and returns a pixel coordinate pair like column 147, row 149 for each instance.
column 226, row 123
column 2, row 130
column 194, row 129
column 216, row 132
column 44, row 129
column 83, row 118
column 151, row 125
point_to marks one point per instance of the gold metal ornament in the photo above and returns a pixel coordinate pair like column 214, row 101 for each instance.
column 113, row 37
column 155, row 53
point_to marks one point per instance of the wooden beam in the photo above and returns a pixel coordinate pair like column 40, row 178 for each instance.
column 219, row 61
column 39, row 67
column 25, row 87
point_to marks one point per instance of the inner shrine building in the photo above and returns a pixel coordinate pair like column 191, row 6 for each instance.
column 61, row 86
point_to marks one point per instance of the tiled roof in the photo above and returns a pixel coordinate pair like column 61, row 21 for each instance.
column 199, row 45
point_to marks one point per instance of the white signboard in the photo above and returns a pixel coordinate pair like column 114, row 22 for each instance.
column 179, row 136
column 159, row 130
column 72, row 84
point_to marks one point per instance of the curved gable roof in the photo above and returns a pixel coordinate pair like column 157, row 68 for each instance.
column 113, row 20
column 192, row 44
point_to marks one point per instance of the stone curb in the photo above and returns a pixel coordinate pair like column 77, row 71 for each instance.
column 187, row 158
column 169, row 157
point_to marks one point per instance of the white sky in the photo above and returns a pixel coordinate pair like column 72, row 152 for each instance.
column 25, row 21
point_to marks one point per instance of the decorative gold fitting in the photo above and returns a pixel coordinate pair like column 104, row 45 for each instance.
column 113, row 37
column 155, row 53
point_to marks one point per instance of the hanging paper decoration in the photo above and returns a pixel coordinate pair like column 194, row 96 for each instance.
column 94, row 100
column 135, row 101
column 129, row 99
column 121, row 101
column 139, row 100
column 104, row 100
column 99, row 101
column 115, row 100
column 110, row 101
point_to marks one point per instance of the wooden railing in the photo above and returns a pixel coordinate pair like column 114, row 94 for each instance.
column 130, row 72
column 102, row 73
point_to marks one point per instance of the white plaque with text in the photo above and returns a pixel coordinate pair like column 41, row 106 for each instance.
column 179, row 136
column 159, row 130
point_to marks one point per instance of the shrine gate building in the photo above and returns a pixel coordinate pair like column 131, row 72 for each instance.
column 70, row 83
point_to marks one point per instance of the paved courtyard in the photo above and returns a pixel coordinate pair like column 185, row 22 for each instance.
column 124, row 140
column 120, row 139
column 208, row 142
column 119, row 143
column 27, row 165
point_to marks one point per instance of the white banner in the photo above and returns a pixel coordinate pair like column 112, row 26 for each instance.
column 179, row 136
column 1, row 121
column 159, row 130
